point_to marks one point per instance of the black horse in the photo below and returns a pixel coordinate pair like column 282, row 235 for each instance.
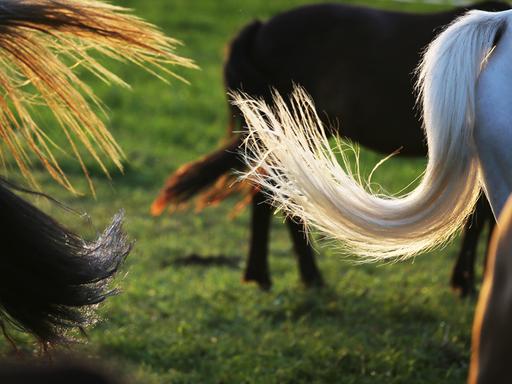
column 357, row 64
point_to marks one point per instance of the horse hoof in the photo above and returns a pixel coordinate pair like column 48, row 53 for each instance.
column 263, row 283
column 312, row 283
column 463, row 287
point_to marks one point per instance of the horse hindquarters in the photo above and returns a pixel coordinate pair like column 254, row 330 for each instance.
column 240, row 73
column 492, row 336
column 493, row 116
column 301, row 171
column 49, row 276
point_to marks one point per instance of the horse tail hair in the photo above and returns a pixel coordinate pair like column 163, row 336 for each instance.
column 51, row 280
column 192, row 178
column 195, row 177
column 41, row 42
column 301, row 173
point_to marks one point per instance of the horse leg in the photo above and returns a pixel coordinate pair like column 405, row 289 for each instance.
column 257, row 264
column 309, row 272
column 463, row 274
column 492, row 226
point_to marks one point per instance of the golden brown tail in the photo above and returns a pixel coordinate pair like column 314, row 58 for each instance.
column 41, row 42
column 193, row 178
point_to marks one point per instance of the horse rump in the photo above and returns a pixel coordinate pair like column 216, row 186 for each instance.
column 50, row 278
column 240, row 70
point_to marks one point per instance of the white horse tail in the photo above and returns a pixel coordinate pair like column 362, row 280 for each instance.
column 290, row 156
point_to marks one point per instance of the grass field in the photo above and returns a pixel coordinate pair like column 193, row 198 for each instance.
column 186, row 324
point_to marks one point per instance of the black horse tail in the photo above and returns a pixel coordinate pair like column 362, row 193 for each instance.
column 50, row 278
column 193, row 178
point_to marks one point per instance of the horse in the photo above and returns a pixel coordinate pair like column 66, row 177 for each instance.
column 491, row 339
column 464, row 88
column 51, row 279
column 356, row 63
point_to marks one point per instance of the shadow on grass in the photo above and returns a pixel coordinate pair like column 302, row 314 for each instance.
column 341, row 334
column 207, row 261
column 308, row 305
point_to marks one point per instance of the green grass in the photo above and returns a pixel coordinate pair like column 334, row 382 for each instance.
column 396, row 323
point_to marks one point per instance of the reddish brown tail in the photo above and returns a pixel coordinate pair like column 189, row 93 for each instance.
column 193, row 178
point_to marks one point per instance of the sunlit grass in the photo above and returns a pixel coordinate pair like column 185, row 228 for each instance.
column 182, row 324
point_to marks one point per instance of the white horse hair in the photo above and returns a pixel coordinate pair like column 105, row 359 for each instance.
column 465, row 87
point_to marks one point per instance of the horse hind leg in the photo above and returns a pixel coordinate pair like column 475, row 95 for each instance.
column 309, row 272
column 463, row 274
column 257, row 269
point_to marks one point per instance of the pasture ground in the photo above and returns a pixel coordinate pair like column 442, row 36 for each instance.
column 175, row 323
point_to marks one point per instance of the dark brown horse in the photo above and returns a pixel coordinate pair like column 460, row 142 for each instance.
column 357, row 64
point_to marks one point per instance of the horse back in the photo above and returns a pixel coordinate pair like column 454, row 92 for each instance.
column 357, row 64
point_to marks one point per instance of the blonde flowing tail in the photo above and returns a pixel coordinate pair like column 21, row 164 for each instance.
column 290, row 156
column 41, row 42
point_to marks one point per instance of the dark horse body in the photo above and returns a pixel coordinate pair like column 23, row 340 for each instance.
column 357, row 64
